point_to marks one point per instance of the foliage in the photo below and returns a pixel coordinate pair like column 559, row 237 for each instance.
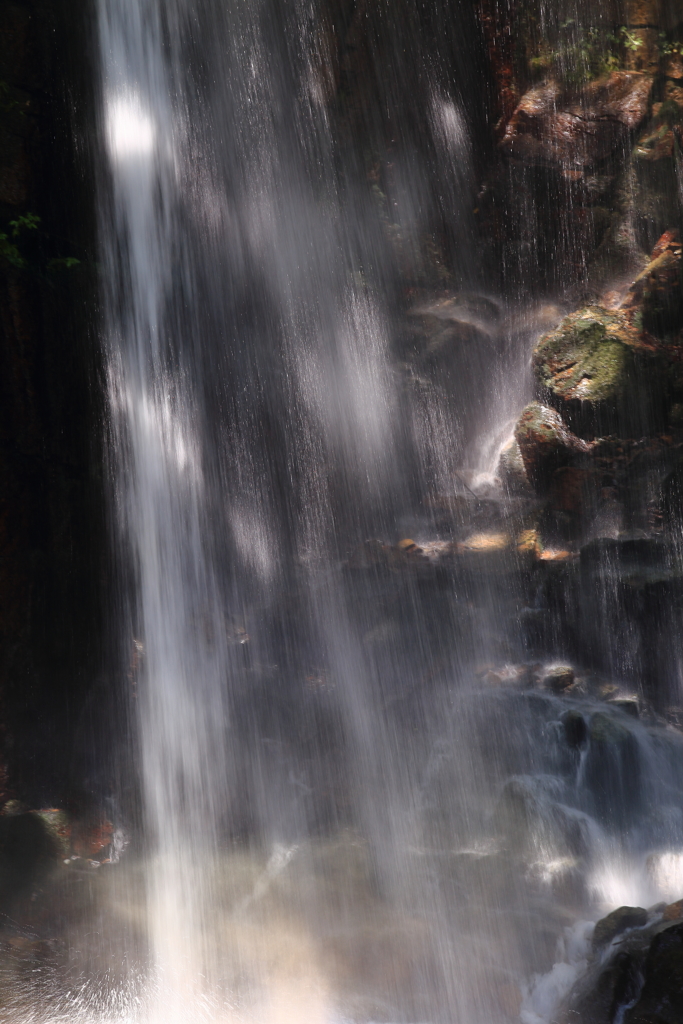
column 8, row 242
column 13, row 247
column 669, row 45
column 8, row 104
column 583, row 54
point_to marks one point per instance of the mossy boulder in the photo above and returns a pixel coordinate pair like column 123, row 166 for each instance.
column 599, row 373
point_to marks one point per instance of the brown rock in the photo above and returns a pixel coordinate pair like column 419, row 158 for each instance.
column 545, row 443
column 672, row 65
column 674, row 911
column 558, row 678
column 645, row 56
column 643, row 12
column 569, row 489
column 552, row 127
column 659, row 288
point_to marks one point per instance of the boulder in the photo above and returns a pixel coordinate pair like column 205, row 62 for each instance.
column 591, row 369
column 659, row 288
column 617, row 922
column 554, row 126
column 656, row 202
column 602, row 993
column 604, row 729
column 673, row 911
column 545, row 443
column 629, row 705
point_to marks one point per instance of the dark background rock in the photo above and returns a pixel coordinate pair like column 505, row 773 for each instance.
column 52, row 539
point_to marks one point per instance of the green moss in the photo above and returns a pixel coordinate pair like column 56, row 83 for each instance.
column 585, row 358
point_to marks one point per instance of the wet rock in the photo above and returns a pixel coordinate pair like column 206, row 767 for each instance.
column 659, row 288
column 661, row 998
column 605, row 729
column 617, row 922
column 612, row 769
column 511, row 470
column 662, row 285
column 30, row 845
column 92, row 839
column 485, row 542
column 545, row 443
column 588, row 368
column 570, row 490
column 554, row 127
column 558, row 678
column 656, row 203
column 575, row 729
column 57, row 825
column 673, row 911
column 603, row 992
column 629, row 705
column 449, row 332
column 672, row 65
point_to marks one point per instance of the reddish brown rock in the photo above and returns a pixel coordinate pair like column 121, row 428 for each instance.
column 553, row 127
column 569, row 489
column 673, row 912
column 545, row 443
column 659, row 288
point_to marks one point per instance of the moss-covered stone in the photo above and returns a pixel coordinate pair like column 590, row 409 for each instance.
column 588, row 357
column 597, row 369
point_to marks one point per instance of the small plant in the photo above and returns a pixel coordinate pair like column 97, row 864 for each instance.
column 8, row 242
column 583, row 54
column 10, row 249
column 628, row 40
column 668, row 46
column 63, row 263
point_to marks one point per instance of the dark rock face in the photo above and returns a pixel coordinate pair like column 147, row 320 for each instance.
column 661, row 1000
column 613, row 987
column 50, row 505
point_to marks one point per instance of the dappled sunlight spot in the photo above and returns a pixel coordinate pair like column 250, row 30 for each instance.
column 130, row 129
column 486, row 542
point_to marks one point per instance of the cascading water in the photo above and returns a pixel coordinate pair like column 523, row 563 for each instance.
column 358, row 802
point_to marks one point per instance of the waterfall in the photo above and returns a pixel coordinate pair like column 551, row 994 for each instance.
column 392, row 756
